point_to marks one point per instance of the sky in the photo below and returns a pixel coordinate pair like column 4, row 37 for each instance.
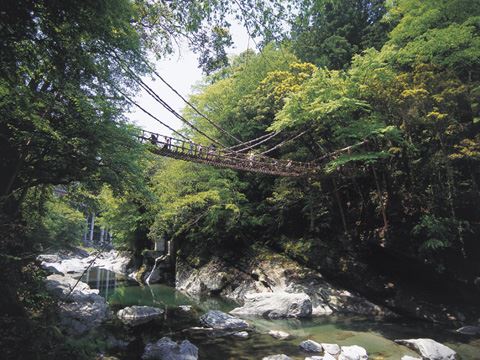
column 181, row 71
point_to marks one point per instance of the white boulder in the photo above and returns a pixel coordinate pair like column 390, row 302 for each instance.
column 136, row 315
column 167, row 349
column 276, row 305
column 311, row 346
column 353, row 352
column 218, row 320
column 429, row 349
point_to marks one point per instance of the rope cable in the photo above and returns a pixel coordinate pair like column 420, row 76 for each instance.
column 283, row 143
column 256, row 144
column 156, row 97
column 150, row 114
column 251, row 141
column 218, row 127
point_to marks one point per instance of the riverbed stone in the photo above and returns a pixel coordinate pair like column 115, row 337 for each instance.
column 311, row 346
column 277, row 357
column 469, row 330
column 167, row 349
column 136, row 315
column 326, row 356
column 332, row 349
column 429, row 349
column 281, row 335
column 276, row 305
column 219, row 320
column 408, row 357
column 353, row 352
column 79, row 310
column 241, row 334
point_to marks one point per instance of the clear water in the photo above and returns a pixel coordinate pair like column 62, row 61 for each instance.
column 376, row 335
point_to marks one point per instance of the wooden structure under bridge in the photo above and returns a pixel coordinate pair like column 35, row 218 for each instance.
column 190, row 151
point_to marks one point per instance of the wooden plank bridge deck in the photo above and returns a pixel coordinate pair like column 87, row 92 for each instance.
column 189, row 151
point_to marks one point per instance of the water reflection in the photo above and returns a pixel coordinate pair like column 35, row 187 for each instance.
column 375, row 335
column 104, row 280
column 121, row 291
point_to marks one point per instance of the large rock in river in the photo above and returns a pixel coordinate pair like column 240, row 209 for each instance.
column 276, row 305
column 429, row 349
column 332, row 349
column 277, row 357
column 167, row 349
column 79, row 310
column 218, row 320
column 469, row 330
column 311, row 346
column 136, row 315
column 353, row 352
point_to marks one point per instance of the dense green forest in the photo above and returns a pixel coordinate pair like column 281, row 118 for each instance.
column 398, row 80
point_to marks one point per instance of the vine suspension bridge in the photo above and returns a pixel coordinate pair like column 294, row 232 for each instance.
column 190, row 151
column 216, row 154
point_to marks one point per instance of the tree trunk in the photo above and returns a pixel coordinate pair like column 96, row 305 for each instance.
column 382, row 204
column 340, row 207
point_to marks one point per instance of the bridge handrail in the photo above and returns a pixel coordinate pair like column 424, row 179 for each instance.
column 227, row 157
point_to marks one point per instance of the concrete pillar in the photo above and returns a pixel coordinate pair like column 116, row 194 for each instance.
column 92, row 225
column 160, row 245
column 85, row 230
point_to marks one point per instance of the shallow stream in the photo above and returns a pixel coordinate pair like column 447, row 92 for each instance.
column 374, row 334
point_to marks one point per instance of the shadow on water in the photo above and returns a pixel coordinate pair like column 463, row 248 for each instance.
column 375, row 334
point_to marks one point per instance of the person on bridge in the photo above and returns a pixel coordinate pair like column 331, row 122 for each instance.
column 168, row 143
column 153, row 139
column 251, row 158
column 192, row 146
column 211, row 150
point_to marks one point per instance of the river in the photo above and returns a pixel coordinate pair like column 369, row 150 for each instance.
column 374, row 334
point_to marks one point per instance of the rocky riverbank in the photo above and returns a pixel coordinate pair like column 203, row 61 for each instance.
column 80, row 308
column 275, row 288
column 283, row 288
column 263, row 271
column 74, row 262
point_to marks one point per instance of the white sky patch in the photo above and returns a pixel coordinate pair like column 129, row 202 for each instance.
column 181, row 71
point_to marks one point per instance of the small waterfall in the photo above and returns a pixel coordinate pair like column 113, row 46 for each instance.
column 153, row 277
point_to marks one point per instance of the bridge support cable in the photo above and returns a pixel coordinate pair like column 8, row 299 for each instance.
column 157, row 98
column 251, row 141
column 257, row 143
column 194, row 108
column 152, row 93
column 149, row 114
column 283, row 143
column 348, row 148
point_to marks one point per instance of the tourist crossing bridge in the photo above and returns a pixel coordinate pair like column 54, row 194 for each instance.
column 190, row 151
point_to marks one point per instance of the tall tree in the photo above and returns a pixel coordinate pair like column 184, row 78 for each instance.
column 329, row 32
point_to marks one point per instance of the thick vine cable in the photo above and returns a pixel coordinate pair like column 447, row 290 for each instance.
column 150, row 114
column 270, row 135
column 157, row 98
column 283, row 143
column 256, row 144
column 240, row 143
column 194, row 108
